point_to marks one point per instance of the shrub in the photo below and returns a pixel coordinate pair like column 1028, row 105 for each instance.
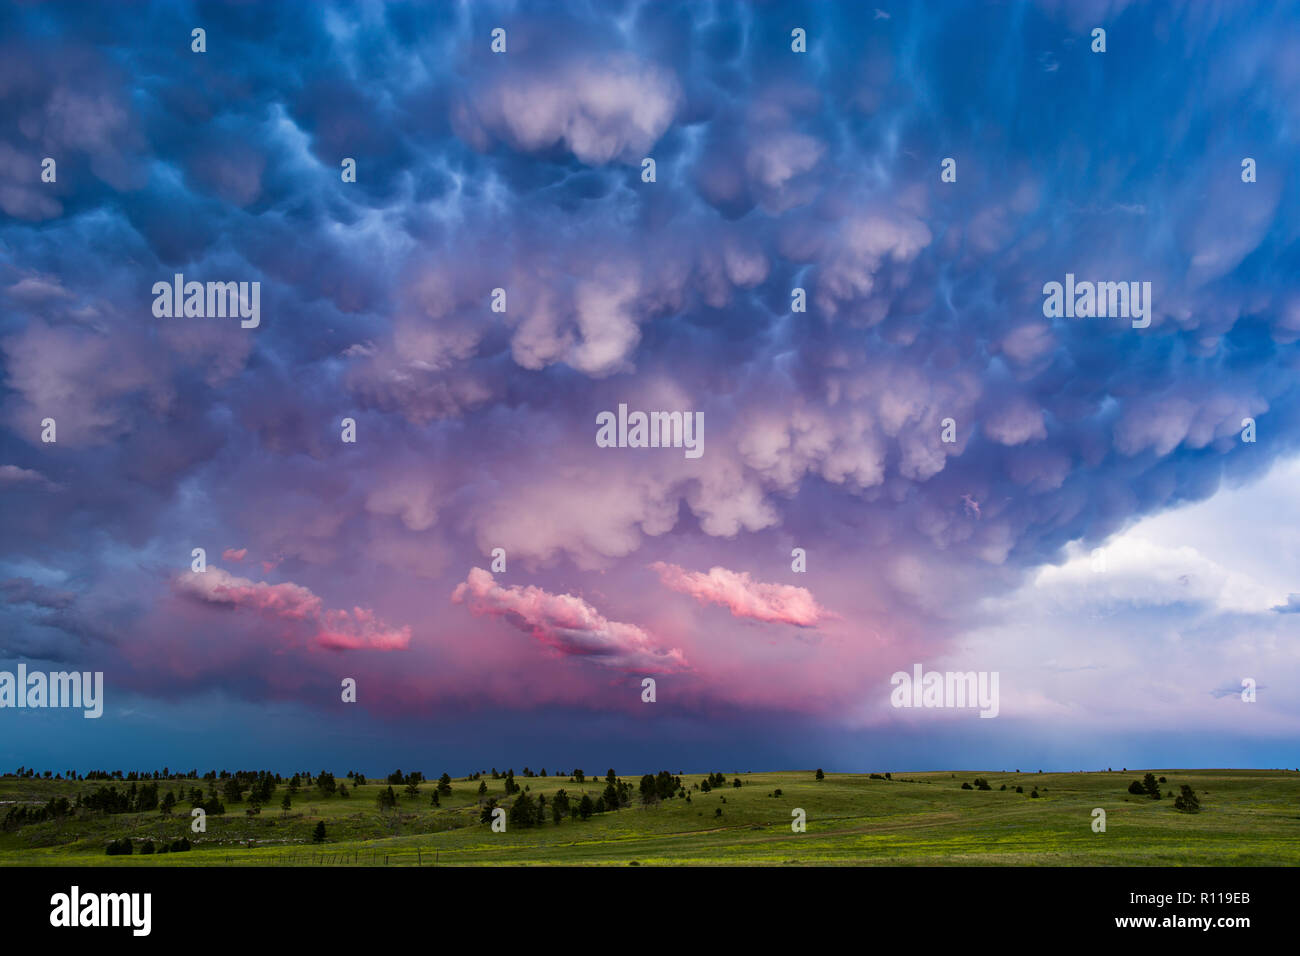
column 1135, row 788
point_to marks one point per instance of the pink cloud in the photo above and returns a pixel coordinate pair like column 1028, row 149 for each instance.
column 230, row 554
column 293, row 604
column 566, row 624
column 779, row 603
column 360, row 628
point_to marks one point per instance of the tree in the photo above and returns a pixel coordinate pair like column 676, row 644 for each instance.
column 482, row 787
column 444, row 784
column 611, row 797
column 820, row 774
column 318, row 835
column 1150, row 785
column 1186, row 801
column 523, row 812
column 1135, row 788
column 413, row 789
column 325, row 784
column 286, row 804
column 559, row 806
column 585, row 807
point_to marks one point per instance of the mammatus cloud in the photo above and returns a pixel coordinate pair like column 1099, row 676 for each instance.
column 295, row 606
column 567, row 624
column 599, row 108
column 776, row 171
column 745, row 597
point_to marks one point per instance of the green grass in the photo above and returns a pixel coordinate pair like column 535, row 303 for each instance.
column 1248, row 817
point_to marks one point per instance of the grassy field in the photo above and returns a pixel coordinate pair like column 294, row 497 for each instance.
column 1248, row 817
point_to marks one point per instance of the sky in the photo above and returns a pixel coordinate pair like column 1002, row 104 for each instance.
column 1103, row 530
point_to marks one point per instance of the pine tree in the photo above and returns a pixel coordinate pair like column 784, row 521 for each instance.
column 1150, row 785
column 523, row 812
column 1186, row 801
